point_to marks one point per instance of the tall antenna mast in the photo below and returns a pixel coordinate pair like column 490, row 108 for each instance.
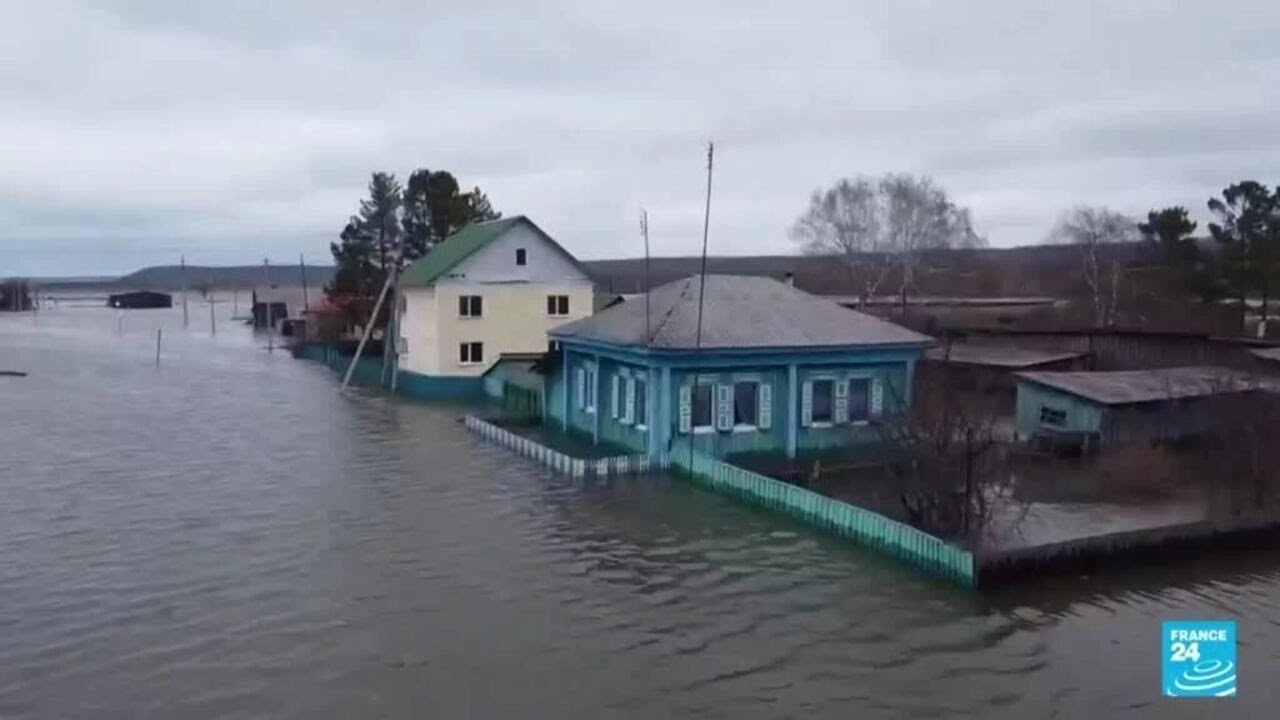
column 706, row 224
column 702, row 277
column 644, row 232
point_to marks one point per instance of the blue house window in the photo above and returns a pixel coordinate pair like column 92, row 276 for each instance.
column 859, row 399
column 823, row 401
column 746, row 404
column 702, row 401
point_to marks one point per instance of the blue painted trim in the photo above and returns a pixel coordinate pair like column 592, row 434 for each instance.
column 654, row 418
column 664, row 439
column 439, row 387
column 568, row 383
column 793, row 421
column 599, row 408
column 911, row 374
column 749, row 356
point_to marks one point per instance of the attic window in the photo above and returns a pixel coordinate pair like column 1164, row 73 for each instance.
column 520, row 256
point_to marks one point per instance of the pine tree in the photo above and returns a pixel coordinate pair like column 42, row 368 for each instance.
column 434, row 209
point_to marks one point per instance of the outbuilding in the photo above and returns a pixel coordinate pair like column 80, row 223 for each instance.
column 1100, row 408
column 739, row 364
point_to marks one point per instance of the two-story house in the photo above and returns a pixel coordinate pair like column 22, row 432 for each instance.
column 492, row 288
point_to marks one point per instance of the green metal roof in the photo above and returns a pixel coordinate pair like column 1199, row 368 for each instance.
column 457, row 247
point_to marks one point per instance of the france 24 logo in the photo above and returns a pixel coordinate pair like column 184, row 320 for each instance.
column 1199, row 658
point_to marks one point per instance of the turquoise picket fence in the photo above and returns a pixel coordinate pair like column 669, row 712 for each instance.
column 863, row 526
column 558, row 461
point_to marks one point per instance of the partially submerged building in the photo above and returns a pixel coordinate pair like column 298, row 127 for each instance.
column 1094, row 409
column 491, row 289
column 751, row 365
column 15, row 296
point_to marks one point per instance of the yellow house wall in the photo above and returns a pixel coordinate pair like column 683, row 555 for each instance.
column 515, row 320
column 418, row 328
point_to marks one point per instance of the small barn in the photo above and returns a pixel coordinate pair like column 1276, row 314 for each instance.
column 140, row 299
column 1096, row 409
column 15, row 296
column 751, row 365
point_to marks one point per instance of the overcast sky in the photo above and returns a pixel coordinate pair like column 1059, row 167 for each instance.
column 131, row 132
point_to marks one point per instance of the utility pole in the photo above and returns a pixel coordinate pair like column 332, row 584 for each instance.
column 644, row 232
column 395, row 325
column 184, row 292
column 302, row 266
column 266, row 305
column 368, row 330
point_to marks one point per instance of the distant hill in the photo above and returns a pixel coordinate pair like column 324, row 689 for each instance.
column 170, row 277
column 1033, row 270
column 1039, row 270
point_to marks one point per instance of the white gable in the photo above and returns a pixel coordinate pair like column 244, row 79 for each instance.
column 496, row 262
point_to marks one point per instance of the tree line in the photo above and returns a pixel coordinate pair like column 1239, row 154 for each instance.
column 1239, row 259
column 880, row 228
column 395, row 225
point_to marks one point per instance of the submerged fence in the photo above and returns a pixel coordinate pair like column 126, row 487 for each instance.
column 866, row 527
column 554, row 459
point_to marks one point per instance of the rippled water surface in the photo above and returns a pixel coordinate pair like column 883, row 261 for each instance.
column 228, row 536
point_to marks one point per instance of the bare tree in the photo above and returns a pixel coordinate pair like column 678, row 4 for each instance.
column 1093, row 228
column 949, row 464
column 845, row 220
column 880, row 225
column 919, row 217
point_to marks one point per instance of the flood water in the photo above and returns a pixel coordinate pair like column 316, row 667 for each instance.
column 228, row 536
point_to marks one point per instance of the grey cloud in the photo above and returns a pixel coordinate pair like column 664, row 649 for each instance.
column 131, row 131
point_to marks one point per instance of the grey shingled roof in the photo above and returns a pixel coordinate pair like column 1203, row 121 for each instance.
column 1125, row 387
column 739, row 312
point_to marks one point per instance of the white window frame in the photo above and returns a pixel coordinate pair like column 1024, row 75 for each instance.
column 593, row 388
column 743, row 427
column 710, row 385
column 813, row 383
column 467, row 345
column 555, row 300
column 467, row 315
column 628, row 413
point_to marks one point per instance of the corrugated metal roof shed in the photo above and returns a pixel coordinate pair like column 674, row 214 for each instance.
column 1126, row 387
column 739, row 312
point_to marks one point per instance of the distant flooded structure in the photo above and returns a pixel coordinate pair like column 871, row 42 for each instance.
column 15, row 296
column 141, row 299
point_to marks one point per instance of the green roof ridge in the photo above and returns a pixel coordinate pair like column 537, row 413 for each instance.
column 459, row 246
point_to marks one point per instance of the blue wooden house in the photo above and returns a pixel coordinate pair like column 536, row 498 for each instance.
column 775, row 369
